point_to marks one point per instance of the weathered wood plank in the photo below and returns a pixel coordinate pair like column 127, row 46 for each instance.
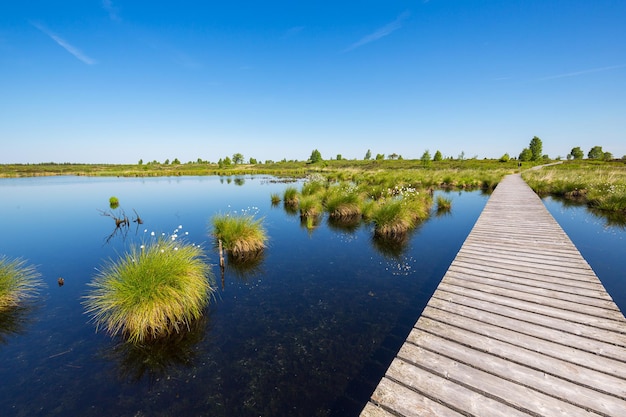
column 519, row 325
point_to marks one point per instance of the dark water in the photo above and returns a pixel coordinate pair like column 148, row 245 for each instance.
column 307, row 331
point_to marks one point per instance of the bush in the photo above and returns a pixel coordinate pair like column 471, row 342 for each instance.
column 152, row 291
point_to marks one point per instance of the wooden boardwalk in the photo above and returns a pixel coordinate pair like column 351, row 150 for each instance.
column 520, row 325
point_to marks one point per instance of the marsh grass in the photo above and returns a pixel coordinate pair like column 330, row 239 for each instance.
column 443, row 203
column 290, row 196
column 19, row 282
column 240, row 234
column 343, row 204
column 275, row 198
column 152, row 291
column 310, row 206
column 600, row 186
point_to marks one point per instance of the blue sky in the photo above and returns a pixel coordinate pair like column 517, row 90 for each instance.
column 115, row 81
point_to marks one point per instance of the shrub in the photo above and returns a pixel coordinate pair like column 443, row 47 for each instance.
column 18, row 282
column 152, row 291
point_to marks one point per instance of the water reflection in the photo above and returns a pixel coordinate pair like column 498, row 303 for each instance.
column 152, row 360
column 610, row 218
column 13, row 321
column 247, row 265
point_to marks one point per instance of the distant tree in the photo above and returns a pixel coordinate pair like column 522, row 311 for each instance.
column 339, row 158
column 380, row 156
column 438, row 156
column 368, row 155
column 316, row 156
column 596, row 153
column 175, row 161
column 536, row 148
column 526, row 155
column 505, row 158
column 237, row 158
column 400, row 158
column 253, row 161
column 393, row 156
column 426, row 158
column 608, row 156
column 227, row 161
column 199, row 161
column 462, row 156
column 140, row 162
column 166, row 162
column 576, row 153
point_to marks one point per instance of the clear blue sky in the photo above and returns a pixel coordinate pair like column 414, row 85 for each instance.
column 115, row 81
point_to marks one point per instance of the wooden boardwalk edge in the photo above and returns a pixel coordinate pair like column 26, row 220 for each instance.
column 520, row 325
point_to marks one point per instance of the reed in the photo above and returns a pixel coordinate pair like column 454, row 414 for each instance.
column 152, row 291
column 240, row 234
column 18, row 282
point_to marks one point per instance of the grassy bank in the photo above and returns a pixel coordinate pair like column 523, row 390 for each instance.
column 600, row 185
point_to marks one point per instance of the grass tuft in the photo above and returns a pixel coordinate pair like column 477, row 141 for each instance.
column 240, row 234
column 18, row 282
column 152, row 291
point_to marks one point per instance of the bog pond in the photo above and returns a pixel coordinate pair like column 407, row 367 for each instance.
column 306, row 330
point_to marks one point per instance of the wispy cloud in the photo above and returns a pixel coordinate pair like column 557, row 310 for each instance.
column 386, row 30
column 293, row 31
column 583, row 72
column 112, row 10
column 64, row 44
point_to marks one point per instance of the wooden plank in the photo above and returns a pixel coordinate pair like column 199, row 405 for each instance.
column 518, row 373
column 546, row 330
column 519, row 325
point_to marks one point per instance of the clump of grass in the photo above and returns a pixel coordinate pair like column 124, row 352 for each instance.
column 240, row 234
column 344, row 204
column 152, row 291
column 275, row 198
column 18, row 282
column 443, row 203
column 310, row 206
column 114, row 202
column 290, row 196
column 392, row 220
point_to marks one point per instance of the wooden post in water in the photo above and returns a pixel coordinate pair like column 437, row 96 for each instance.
column 221, row 249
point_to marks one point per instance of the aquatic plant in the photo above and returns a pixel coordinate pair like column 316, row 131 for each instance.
column 239, row 233
column 343, row 203
column 152, row 291
column 275, row 198
column 18, row 282
column 392, row 219
column 290, row 196
column 114, row 202
column 443, row 203
column 310, row 206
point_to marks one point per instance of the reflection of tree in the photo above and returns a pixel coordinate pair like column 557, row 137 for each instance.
column 239, row 181
column 12, row 322
column 153, row 359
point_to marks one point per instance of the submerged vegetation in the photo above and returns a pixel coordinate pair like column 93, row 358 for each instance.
column 18, row 282
column 241, row 235
column 153, row 291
